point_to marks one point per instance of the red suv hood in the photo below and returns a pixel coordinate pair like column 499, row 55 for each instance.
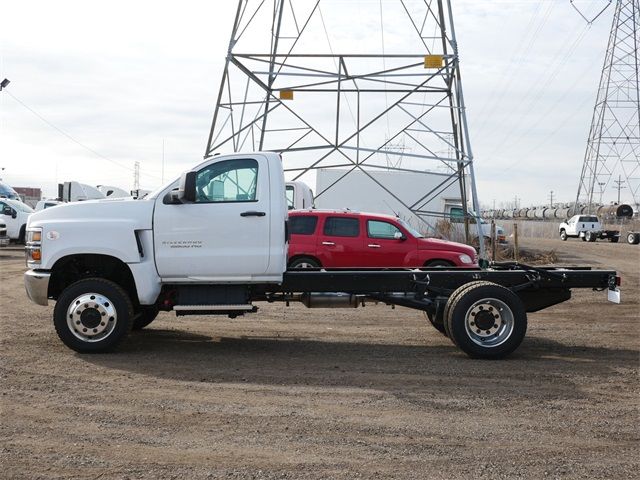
column 437, row 244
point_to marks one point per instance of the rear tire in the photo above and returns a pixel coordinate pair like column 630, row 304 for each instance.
column 145, row 316
column 93, row 315
column 438, row 325
column 439, row 263
column 590, row 236
column 486, row 320
column 614, row 239
column 633, row 238
column 304, row 262
column 22, row 235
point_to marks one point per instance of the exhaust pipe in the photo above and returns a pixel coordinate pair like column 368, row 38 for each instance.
column 330, row 300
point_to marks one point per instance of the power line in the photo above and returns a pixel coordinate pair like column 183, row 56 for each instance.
column 62, row 132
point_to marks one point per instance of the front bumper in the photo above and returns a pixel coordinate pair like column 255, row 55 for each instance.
column 37, row 285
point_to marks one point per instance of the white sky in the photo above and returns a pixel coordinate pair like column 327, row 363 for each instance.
column 122, row 76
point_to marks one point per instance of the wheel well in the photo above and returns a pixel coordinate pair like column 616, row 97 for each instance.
column 72, row 268
column 434, row 260
column 296, row 257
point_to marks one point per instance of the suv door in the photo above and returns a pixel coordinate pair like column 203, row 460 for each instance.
column 225, row 233
column 382, row 248
column 340, row 242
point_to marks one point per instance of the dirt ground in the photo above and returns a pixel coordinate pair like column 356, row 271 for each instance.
column 297, row 393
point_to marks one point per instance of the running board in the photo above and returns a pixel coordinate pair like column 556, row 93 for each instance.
column 235, row 307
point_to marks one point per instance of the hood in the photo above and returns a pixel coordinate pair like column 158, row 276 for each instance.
column 136, row 212
column 437, row 244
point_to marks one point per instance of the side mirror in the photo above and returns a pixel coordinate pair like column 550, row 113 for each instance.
column 399, row 236
column 14, row 214
column 187, row 188
column 7, row 211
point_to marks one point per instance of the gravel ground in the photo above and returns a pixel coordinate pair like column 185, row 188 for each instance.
column 297, row 393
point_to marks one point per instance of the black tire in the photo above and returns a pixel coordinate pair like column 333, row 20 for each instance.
column 633, row 238
column 614, row 239
column 22, row 235
column 563, row 236
column 101, row 296
column 145, row 315
column 436, row 322
column 456, row 293
column 304, row 262
column 483, row 297
column 584, row 237
column 591, row 236
column 438, row 263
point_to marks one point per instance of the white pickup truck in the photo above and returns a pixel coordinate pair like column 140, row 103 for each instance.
column 586, row 227
column 215, row 241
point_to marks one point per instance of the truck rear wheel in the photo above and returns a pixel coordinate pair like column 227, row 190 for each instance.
column 633, row 238
column 304, row 262
column 590, row 236
column 486, row 320
column 93, row 315
column 436, row 322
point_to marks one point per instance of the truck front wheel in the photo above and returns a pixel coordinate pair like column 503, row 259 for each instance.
column 563, row 235
column 486, row 320
column 93, row 315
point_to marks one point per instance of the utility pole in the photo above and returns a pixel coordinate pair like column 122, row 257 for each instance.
column 551, row 199
column 619, row 186
column 136, row 176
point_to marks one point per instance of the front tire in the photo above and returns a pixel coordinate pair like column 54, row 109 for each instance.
column 563, row 236
column 438, row 263
column 486, row 320
column 590, row 236
column 93, row 315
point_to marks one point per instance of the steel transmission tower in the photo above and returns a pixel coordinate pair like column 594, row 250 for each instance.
column 284, row 89
column 613, row 147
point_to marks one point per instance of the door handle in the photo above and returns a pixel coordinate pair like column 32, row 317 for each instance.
column 252, row 213
column 328, row 243
column 373, row 245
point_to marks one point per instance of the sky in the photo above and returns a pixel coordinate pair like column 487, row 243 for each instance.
column 97, row 86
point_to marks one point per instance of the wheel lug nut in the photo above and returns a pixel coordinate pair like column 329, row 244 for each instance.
column 495, row 325
column 473, row 323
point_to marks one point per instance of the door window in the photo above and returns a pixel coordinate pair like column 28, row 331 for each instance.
column 342, row 227
column 290, row 192
column 456, row 214
column 227, row 181
column 378, row 229
column 300, row 225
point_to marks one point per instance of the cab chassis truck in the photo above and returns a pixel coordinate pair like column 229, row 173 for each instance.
column 215, row 240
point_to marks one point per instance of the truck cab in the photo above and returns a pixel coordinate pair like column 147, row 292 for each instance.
column 14, row 214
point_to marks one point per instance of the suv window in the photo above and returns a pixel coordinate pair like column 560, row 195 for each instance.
column 380, row 229
column 588, row 219
column 342, row 227
column 227, row 181
column 303, row 225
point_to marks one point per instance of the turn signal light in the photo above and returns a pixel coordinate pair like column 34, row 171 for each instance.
column 36, row 255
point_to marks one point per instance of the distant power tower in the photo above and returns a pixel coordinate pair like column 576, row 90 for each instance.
column 613, row 148
column 392, row 103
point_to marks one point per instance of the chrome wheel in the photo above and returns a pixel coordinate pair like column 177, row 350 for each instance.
column 489, row 322
column 91, row 317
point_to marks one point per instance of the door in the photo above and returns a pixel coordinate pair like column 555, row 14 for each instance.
column 340, row 242
column 224, row 234
column 382, row 248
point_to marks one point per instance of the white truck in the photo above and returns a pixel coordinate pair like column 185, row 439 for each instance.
column 215, row 241
column 14, row 214
column 588, row 228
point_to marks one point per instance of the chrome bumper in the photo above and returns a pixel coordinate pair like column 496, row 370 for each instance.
column 37, row 285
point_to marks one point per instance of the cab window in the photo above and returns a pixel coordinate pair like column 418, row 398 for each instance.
column 456, row 214
column 290, row 191
column 341, row 227
column 227, row 181
column 379, row 229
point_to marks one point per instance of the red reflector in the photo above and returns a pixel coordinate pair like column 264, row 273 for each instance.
column 618, row 281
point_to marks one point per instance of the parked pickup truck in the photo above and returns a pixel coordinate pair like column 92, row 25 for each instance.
column 215, row 241
column 334, row 238
column 588, row 228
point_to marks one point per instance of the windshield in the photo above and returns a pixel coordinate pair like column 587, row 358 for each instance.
column 411, row 230
column 23, row 207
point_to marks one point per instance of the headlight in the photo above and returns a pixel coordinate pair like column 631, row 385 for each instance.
column 464, row 258
column 33, row 248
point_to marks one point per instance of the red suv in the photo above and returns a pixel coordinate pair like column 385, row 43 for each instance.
column 349, row 239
